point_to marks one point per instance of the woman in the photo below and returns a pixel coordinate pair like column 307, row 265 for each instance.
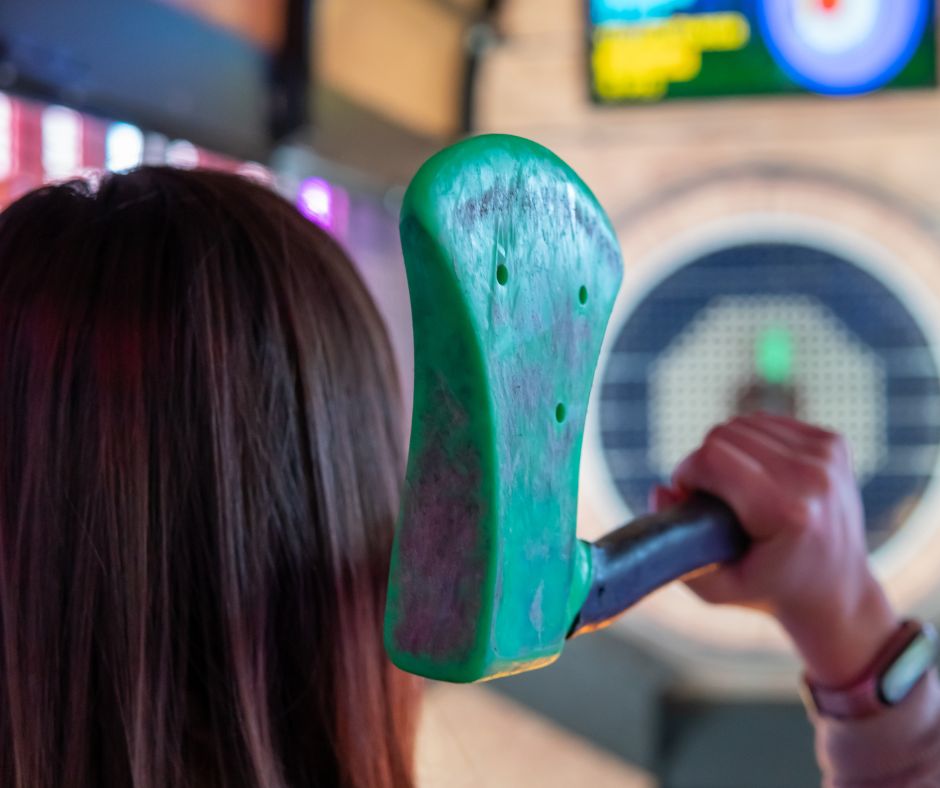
column 199, row 467
column 199, row 463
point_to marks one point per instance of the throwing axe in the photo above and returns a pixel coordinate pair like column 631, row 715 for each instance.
column 513, row 268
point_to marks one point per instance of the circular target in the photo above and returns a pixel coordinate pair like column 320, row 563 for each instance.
column 783, row 289
column 843, row 46
column 777, row 326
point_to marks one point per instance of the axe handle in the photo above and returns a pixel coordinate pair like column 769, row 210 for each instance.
column 654, row 550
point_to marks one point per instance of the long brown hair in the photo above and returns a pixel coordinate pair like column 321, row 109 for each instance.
column 199, row 469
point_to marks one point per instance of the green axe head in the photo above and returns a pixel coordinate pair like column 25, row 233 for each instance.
column 513, row 268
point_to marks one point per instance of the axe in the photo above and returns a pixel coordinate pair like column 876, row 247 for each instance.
column 513, row 268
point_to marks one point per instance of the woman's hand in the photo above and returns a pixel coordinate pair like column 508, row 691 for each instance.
column 792, row 487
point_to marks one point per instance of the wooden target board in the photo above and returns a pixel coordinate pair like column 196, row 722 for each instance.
column 785, row 289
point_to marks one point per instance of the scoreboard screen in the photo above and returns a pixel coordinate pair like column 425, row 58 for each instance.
column 649, row 50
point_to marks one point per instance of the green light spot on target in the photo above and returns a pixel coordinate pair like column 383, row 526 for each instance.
column 775, row 355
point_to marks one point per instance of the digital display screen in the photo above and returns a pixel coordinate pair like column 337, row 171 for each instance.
column 649, row 50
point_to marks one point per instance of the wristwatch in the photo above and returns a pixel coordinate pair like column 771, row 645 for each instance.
column 910, row 652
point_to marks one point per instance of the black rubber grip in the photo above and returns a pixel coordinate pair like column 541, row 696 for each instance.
column 654, row 550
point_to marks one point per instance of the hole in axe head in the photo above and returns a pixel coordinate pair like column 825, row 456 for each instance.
column 502, row 274
column 560, row 412
column 582, row 295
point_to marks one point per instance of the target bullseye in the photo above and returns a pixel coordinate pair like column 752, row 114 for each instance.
column 843, row 46
column 830, row 27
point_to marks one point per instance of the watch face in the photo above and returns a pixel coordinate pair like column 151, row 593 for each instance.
column 899, row 679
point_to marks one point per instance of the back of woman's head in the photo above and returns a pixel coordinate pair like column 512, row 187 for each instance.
column 199, row 461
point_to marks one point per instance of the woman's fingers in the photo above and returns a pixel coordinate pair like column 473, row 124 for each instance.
column 727, row 471
column 795, row 439
column 808, row 432
column 772, row 471
column 801, row 471
column 791, row 486
column 777, row 458
column 810, row 460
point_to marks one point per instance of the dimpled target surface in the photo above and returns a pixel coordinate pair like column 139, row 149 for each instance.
column 843, row 46
column 513, row 269
column 775, row 326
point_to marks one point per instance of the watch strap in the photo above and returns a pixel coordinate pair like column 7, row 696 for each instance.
column 863, row 696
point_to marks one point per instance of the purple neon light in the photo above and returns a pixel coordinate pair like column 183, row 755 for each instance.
column 316, row 201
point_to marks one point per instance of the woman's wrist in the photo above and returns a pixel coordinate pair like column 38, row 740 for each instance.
column 837, row 641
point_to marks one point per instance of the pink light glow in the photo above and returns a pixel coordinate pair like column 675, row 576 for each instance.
column 325, row 204
column 316, row 200
column 256, row 172
column 6, row 137
column 182, row 154
column 61, row 142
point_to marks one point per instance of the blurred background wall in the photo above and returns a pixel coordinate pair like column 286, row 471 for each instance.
column 770, row 169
